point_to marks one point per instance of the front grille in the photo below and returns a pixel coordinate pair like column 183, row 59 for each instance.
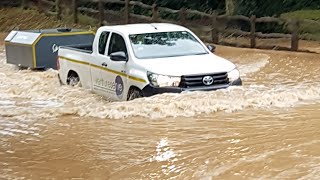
column 193, row 81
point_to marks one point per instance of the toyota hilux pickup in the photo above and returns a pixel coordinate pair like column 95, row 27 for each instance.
column 140, row 60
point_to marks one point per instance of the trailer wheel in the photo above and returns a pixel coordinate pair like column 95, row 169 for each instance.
column 134, row 93
column 73, row 79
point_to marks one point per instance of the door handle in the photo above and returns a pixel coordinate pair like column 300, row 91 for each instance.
column 104, row 64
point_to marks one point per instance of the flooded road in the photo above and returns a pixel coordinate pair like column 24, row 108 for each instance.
column 269, row 128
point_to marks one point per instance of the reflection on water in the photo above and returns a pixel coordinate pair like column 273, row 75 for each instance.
column 266, row 129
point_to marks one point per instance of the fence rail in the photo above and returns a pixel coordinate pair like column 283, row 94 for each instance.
column 215, row 27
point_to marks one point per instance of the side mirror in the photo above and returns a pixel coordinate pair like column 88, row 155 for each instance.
column 119, row 56
column 211, row 48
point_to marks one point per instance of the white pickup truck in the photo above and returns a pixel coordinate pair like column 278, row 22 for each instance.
column 140, row 60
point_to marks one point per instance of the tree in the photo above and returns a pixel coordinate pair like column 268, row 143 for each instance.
column 230, row 7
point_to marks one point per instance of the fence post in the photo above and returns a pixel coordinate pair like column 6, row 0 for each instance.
column 75, row 11
column 182, row 16
column 214, row 28
column 23, row 4
column 58, row 9
column 295, row 35
column 101, row 12
column 40, row 6
column 253, row 31
column 155, row 13
column 127, row 11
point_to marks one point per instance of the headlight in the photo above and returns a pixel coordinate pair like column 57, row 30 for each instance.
column 233, row 75
column 163, row 81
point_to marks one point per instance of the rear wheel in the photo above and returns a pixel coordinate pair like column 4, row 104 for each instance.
column 134, row 93
column 73, row 79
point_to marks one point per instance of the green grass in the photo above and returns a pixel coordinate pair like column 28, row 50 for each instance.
column 311, row 29
column 303, row 14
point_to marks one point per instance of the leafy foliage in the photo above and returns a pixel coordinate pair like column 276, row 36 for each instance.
column 243, row 7
column 272, row 7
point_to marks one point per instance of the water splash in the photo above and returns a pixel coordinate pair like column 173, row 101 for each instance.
column 33, row 95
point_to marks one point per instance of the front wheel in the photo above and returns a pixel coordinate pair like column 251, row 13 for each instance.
column 134, row 93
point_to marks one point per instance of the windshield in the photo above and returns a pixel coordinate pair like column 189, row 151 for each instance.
column 165, row 44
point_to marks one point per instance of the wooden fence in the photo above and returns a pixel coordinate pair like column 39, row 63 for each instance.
column 216, row 26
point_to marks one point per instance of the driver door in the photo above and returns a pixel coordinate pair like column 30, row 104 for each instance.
column 98, row 84
column 114, row 72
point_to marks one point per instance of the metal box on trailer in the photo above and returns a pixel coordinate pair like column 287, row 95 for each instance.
column 39, row 48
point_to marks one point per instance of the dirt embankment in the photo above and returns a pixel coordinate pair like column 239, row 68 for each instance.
column 16, row 18
column 2, row 37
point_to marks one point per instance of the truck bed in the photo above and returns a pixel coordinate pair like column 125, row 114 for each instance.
column 85, row 48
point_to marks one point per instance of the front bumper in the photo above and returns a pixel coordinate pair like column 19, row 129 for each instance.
column 150, row 90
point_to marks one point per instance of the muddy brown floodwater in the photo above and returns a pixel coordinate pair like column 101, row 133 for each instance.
column 266, row 129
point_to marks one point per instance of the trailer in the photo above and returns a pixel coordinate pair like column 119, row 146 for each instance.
column 38, row 49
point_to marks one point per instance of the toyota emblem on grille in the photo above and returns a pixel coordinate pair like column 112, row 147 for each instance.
column 207, row 80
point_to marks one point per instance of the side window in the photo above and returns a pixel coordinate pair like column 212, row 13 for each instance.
column 117, row 44
column 103, row 42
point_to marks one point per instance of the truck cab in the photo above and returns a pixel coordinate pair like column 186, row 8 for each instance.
column 140, row 60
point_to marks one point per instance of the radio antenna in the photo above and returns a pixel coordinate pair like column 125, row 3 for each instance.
column 154, row 27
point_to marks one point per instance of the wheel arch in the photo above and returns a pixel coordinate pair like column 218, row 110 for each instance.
column 134, row 87
column 71, row 71
column 131, row 88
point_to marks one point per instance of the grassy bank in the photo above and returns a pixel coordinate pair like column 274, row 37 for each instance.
column 307, row 28
column 16, row 18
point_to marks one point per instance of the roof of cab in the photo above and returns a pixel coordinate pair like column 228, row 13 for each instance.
column 144, row 28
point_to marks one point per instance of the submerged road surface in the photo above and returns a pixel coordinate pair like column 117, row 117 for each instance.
column 267, row 129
